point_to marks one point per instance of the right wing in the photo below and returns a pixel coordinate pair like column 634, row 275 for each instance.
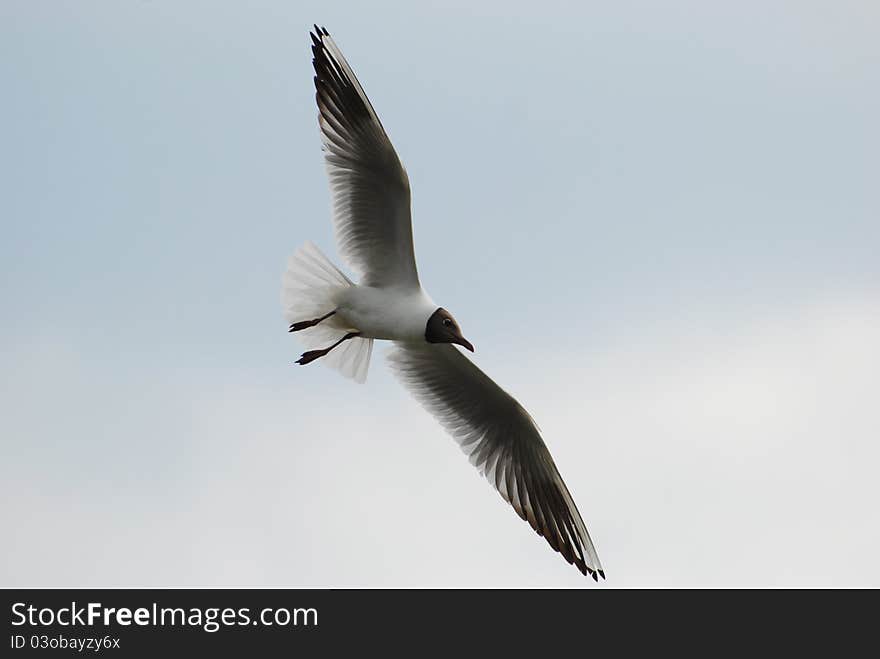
column 370, row 188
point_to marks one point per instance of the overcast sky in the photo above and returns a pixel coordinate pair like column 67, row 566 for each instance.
column 659, row 224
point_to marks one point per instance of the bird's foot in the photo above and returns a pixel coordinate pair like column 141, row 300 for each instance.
column 305, row 324
column 312, row 355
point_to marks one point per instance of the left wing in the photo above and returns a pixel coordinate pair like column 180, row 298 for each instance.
column 501, row 440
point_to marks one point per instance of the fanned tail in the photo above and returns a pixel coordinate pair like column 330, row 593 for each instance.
column 309, row 290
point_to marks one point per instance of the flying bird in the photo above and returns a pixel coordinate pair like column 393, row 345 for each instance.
column 338, row 319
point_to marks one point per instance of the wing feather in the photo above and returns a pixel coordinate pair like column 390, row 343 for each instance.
column 501, row 440
column 368, row 184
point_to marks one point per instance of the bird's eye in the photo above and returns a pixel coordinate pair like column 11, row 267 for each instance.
column 447, row 322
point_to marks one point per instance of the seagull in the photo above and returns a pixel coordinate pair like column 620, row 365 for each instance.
column 338, row 319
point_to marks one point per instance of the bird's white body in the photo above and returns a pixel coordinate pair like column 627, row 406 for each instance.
column 395, row 314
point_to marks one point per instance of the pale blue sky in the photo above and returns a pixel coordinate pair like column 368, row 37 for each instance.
column 657, row 222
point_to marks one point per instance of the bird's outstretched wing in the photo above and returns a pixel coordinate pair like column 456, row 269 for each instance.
column 501, row 440
column 369, row 186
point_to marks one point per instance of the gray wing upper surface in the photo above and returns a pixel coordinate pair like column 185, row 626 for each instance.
column 369, row 186
column 501, row 440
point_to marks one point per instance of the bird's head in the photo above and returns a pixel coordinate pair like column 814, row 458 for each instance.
column 442, row 328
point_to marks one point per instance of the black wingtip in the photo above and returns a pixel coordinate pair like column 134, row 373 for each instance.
column 590, row 572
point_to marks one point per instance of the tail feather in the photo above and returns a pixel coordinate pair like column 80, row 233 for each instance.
column 352, row 358
column 309, row 290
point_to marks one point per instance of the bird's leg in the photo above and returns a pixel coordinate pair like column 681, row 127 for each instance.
column 305, row 324
column 312, row 355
